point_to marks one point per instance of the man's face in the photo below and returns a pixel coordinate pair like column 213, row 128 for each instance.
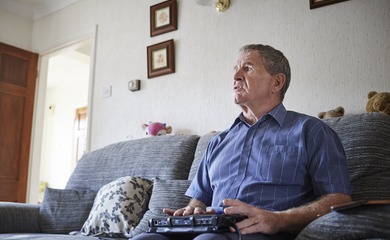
column 252, row 84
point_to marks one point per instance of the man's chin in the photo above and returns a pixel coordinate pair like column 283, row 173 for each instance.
column 237, row 99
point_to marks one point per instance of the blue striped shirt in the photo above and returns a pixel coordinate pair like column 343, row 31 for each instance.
column 285, row 160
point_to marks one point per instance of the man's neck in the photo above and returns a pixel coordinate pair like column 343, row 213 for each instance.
column 252, row 115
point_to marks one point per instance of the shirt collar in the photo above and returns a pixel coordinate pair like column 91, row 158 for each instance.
column 278, row 113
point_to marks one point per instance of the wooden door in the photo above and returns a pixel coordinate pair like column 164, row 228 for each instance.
column 18, row 74
column 80, row 133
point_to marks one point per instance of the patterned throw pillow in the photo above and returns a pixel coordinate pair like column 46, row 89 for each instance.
column 118, row 207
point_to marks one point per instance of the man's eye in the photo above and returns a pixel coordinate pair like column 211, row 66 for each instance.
column 247, row 69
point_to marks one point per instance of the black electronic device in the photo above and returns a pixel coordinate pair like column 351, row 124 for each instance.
column 202, row 223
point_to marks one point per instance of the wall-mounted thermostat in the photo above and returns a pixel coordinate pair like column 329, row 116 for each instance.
column 134, row 85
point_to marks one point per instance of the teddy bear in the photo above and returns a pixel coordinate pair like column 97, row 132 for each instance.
column 156, row 129
column 337, row 112
column 378, row 102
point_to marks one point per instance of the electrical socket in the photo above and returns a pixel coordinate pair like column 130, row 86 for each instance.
column 134, row 85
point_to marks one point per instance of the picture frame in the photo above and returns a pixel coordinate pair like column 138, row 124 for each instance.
column 161, row 58
column 163, row 17
column 321, row 3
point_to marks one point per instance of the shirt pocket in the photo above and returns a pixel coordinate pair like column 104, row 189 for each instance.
column 280, row 165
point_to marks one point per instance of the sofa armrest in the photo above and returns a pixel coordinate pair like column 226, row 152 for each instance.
column 362, row 222
column 19, row 217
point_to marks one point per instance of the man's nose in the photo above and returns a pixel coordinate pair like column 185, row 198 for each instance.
column 238, row 76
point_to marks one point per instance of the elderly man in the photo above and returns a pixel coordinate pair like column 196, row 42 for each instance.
column 279, row 168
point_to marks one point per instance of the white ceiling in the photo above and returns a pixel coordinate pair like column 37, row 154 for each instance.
column 34, row 9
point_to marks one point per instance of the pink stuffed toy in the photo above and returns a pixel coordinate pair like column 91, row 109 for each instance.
column 156, row 129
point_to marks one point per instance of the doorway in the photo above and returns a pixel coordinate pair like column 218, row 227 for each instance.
column 67, row 95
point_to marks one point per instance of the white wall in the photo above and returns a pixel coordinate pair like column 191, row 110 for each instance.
column 338, row 54
column 15, row 30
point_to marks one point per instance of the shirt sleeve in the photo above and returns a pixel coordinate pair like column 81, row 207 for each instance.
column 328, row 165
column 200, row 187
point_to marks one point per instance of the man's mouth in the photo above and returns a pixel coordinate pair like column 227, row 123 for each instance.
column 237, row 88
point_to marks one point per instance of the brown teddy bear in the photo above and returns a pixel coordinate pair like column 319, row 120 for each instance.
column 337, row 112
column 378, row 102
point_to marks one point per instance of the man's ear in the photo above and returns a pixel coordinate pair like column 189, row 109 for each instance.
column 279, row 81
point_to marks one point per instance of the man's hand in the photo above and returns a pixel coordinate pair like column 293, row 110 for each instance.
column 258, row 221
column 183, row 211
column 194, row 207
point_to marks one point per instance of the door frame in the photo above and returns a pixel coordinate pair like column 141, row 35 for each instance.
column 40, row 101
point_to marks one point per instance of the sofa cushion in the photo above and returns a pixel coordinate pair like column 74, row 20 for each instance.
column 364, row 222
column 166, row 157
column 166, row 194
column 199, row 152
column 366, row 138
column 118, row 207
column 64, row 210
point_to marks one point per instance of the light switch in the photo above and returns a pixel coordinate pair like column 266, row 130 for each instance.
column 106, row 91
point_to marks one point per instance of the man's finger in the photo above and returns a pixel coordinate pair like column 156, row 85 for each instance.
column 169, row 211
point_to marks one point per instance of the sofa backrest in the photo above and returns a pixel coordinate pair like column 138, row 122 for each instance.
column 200, row 150
column 165, row 157
column 366, row 140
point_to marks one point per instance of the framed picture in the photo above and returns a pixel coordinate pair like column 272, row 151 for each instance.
column 161, row 59
column 321, row 3
column 163, row 17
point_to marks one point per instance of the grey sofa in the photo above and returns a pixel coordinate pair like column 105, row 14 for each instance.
column 169, row 163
